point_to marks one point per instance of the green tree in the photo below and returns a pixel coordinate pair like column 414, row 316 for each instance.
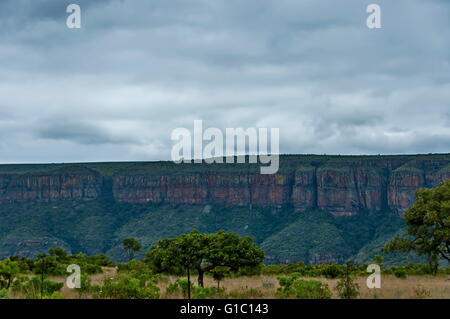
column 59, row 253
column 8, row 271
column 223, row 249
column 203, row 253
column 347, row 287
column 171, row 254
column 44, row 266
column 219, row 273
column 428, row 226
column 131, row 246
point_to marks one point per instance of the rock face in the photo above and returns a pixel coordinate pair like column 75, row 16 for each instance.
column 341, row 188
column 65, row 184
column 341, row 185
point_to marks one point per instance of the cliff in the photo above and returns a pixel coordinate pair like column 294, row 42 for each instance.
column 340, row 185
column 67, row 183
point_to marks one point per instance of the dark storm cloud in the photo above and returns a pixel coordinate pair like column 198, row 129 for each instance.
column 115, row 89
column 83, row 133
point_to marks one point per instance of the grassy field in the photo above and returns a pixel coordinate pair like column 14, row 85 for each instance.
column 413, row 287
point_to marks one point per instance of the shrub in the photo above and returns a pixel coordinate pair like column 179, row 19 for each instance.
column 400, row 273
column 347, row 287
column 331, row 271
column 208, row 293
column 126, row 287
column 4, row 294
column 54, row 295
column 35, row 288
column 179, row 286
column 246, row 293
column 294, row 287
column 100, row 260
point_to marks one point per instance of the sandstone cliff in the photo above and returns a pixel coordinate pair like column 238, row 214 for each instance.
column 63, row 184
column 341, row 185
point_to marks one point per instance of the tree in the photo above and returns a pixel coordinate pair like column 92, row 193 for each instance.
column 223, row 249
column 44, row 266
column 59, row 253
column 131, row 246
column 346, row 286
column 203, row 253
column 219, row 273
column 171, row 254
column 8, row 271
column 428, row 226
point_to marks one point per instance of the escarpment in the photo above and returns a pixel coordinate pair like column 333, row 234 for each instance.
column 340, row 185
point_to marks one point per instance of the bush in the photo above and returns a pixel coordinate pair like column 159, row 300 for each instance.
column 246, row 293
column 34, row 288
column 331, row 271
column 100, row 260
column 4, row 294
column 179, row 286
column 126, row 287
column 400, row 273
column 347, row 287
column 294, row 287
column 208, row 293
column 54, row 295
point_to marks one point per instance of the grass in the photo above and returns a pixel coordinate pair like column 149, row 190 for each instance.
column 264, row 287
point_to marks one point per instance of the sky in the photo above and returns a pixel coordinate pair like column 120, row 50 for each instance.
column 115, row 89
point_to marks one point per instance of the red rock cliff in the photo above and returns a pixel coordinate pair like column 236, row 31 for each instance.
column 65, row 184
column 341, row 188
column 340, row 185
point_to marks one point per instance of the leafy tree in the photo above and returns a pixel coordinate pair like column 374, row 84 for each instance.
column 219, row 273
column 44, row 266
column 8, row 271
column 183, row 252
column 131, row 246
column 428, row 226
column 223, row 249
column 59, row 253
column 204, row 252
column 346, row 286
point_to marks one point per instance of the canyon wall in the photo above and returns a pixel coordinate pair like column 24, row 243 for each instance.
column 63, row 184
column 339, row 185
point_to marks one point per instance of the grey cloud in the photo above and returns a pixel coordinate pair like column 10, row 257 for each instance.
column 138, row 69
column 79, row 132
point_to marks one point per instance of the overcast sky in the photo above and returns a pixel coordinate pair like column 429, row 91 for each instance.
column 116, row 88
